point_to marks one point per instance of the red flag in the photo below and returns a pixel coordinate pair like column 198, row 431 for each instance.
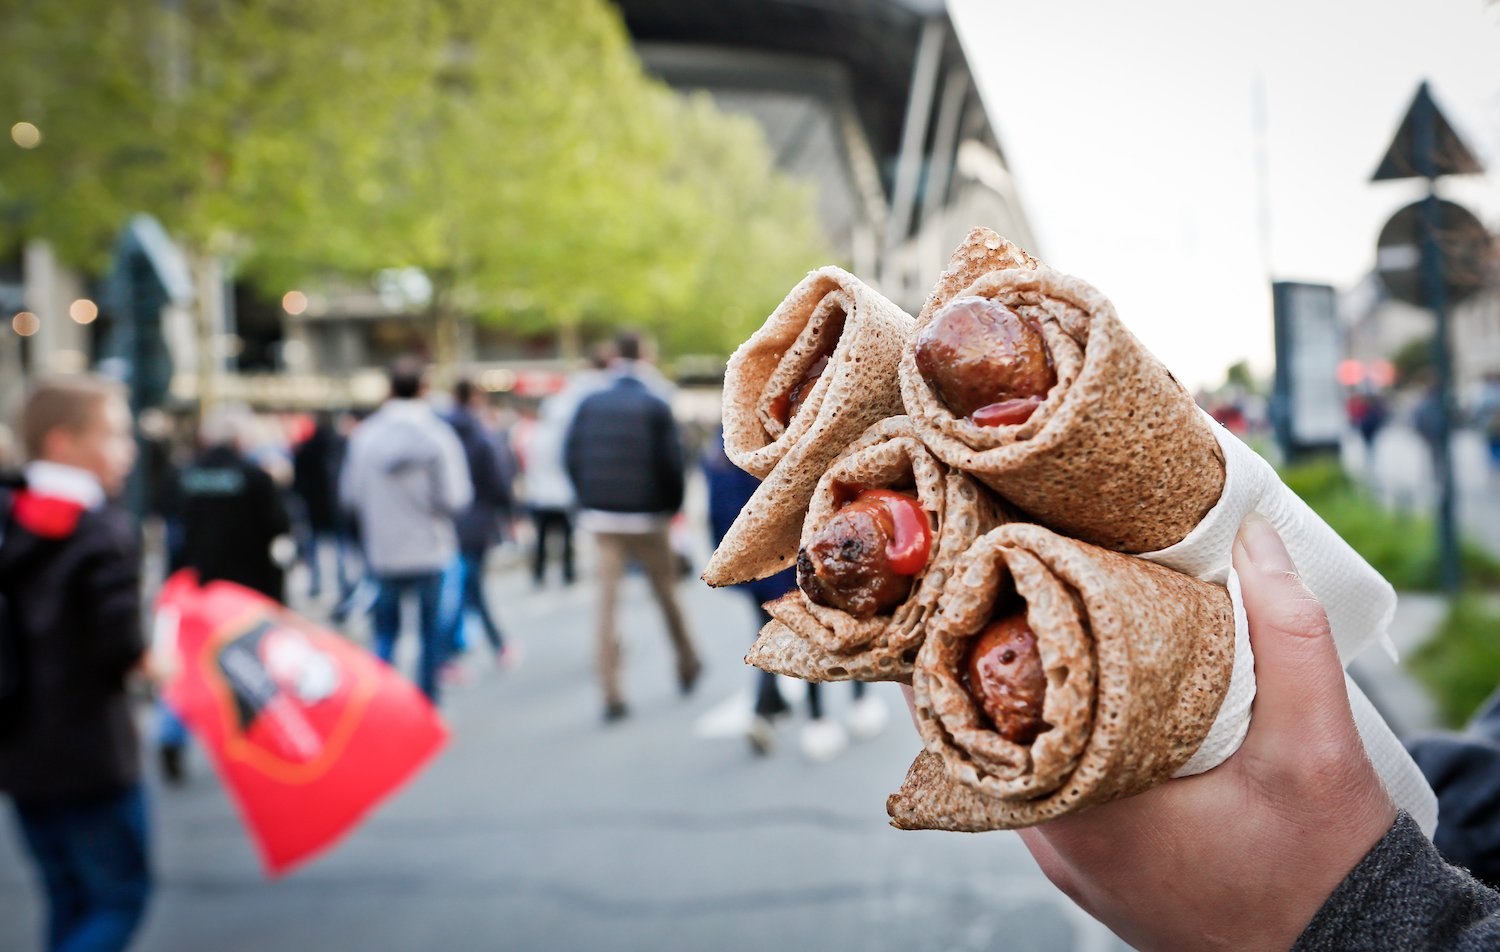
column 308, row 730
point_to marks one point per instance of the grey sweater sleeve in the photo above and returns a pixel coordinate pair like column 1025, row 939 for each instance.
column 1403, row 896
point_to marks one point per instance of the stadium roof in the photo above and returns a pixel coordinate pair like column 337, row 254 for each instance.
column 875, row 39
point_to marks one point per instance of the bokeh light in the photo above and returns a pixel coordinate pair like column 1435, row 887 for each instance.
column 25, row 323
column 26, row 135
column 294, row 302
column 83, row 311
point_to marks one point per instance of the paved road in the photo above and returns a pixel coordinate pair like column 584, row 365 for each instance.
column 539, row 829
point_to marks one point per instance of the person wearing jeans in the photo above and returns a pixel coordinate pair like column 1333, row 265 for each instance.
column 93, row 862
column 70, row 636
column 427, row 588
column 405, row 479
column 478, row 524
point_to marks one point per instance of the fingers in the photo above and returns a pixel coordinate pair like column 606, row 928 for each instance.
column 1299, row 682
column 1047, row 857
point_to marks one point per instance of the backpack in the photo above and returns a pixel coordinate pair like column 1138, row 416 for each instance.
column 12, row 648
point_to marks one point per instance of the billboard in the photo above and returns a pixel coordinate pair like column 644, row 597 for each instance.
column 1308, row 404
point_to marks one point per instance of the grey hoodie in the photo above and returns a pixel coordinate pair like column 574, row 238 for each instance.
column 404, row 479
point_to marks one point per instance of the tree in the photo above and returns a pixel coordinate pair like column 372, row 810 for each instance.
column 514, row 152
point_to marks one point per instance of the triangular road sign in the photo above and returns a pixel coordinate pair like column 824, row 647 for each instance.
column 1444, row 153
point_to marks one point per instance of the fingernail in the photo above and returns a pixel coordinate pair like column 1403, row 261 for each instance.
column 1263, row 545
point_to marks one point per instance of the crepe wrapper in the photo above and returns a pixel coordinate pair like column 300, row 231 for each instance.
column 858, row 388
column 1137, row 659
column 818, row 643
column 1116, row 454
column 981, row 252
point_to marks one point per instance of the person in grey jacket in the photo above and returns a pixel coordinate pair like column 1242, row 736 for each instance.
column 404, row 481
column 1293, row 842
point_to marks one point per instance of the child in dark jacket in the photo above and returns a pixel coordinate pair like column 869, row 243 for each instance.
column 70, row 607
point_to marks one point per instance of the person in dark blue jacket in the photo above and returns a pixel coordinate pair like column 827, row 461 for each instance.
column 729, row 488
column 623, row 454
column 478, row 524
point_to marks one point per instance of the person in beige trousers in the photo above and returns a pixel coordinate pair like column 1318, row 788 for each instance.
column 624, row 456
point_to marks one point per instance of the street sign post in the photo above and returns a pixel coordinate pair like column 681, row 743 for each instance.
column 1426, row 146
column 148, row 273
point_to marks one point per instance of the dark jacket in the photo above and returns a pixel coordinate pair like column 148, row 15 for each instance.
column 230, row 511
column 1403, row 896
column 623, row 451
column 1464, row 771
column 729, row 488
column 73, row 588
column 478, row 524
column 315, row 477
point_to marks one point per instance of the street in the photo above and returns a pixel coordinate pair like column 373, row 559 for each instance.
column 539, row 828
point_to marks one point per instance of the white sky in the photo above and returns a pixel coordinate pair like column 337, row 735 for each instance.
column 1130, row 129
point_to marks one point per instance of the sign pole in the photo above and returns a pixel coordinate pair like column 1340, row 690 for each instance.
column 1449, row 569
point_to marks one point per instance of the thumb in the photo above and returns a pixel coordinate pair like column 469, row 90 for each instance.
column 1299, row 682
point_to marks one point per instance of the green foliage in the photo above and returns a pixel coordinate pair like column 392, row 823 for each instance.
column 513, row 151
column 1240, row 377
column 1460, row 665
column 1413, row 361
column 1401, row 546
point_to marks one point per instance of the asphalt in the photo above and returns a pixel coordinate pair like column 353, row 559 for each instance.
column 540, row 828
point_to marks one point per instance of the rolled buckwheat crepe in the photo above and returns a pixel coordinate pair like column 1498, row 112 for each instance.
column 817, row 373
column 981, row 252
column 1058, row 675
column 885, row 529
column 1027, row 380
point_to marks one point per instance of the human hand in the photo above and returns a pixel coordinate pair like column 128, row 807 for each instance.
column 1244, row 855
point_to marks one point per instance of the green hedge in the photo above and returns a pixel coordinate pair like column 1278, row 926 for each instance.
column 1402, row 546
column 1460, row 666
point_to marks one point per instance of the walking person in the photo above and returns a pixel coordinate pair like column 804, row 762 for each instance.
column 405, row 480
column 822, row 739
column 70, row 634
column 549, row 492
column 478, row 523
column 624, row 457
column 228, row 518
column 230, row 511
column 315, row 480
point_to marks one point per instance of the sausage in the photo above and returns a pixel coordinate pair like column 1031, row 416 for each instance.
column 1003, row 674
column 985, row 361
column 785, row 407
column 847, row 564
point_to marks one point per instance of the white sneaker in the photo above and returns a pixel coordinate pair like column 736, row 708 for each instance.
column 868, row 717
column 823, row 740
column 761, row 736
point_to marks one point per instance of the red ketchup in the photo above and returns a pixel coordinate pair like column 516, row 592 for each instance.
column 911, row 533
column 1006, row 412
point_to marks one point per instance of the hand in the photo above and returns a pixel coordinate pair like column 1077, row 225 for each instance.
column 1241, row 857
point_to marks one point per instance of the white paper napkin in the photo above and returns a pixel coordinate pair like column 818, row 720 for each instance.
column 1359, row 603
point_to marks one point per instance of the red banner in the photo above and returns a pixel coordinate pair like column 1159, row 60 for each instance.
column 308, row 730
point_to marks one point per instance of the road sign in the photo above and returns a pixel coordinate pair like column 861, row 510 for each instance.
column 1466, row 248
column 1426, row 146
column 1418, row 267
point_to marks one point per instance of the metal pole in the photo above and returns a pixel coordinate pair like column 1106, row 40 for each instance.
column 924, row 75
column 1449, row 569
